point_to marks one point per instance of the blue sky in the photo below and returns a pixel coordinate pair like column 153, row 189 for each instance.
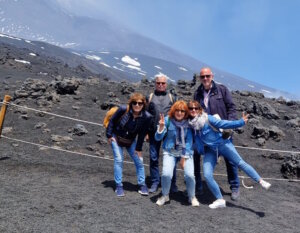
column 255, row 39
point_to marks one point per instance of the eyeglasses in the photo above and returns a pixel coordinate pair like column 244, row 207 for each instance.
column 180, row 110
column 160, row 83
column 205, row 76
column 137, row 103
column 193, row 108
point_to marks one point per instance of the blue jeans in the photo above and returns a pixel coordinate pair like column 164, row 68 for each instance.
column 232, row 174
column 118, row 163
column 169, row 163
column 229, row 152
column 197, row 169
column 154, row 147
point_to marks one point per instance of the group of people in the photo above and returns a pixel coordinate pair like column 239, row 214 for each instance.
column 186, row 132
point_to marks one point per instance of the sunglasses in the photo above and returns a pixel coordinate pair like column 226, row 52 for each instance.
column 205, row 76
column 160, row 83
column 137, row 103
column 193, row 108
column 179, row 110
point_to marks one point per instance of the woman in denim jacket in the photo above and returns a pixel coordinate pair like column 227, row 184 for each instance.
column 177, row 147
column 125, row 125
column 209, row 139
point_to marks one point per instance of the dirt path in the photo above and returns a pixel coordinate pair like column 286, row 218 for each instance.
column 48, row 191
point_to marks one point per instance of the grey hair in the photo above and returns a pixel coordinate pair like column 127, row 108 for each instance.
column 160, row 76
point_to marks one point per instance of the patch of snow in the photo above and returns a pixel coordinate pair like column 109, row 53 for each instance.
column 136, row 58
column 228, row 84
column 42, row 48
column 134, row 67
column 32, row 54
column 182, row 68
column 69, row 44
column 116, row 58
column 104, row 52
column 104, row 64
column 93, row 57
column 266, row 91
column 22, row 61
column 130, row 61
column 117, row 68
column 76, row 53
column 10, row 37
column 143, row 74
column 251, row 86
column 158, row 67
column 42, row 73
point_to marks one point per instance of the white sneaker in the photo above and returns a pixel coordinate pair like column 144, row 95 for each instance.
column 162, row 200
column 266, row 185
column 219, row 203
column 194, row 201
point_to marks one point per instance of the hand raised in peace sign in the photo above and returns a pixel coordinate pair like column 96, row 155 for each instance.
column 161, row 122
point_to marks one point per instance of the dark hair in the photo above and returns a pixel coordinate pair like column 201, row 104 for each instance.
column 196, row 104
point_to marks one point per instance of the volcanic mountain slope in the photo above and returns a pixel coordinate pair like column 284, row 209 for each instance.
column 49, row 190
column 39, row 20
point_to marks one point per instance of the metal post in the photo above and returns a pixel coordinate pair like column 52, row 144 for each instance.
column 7, row 98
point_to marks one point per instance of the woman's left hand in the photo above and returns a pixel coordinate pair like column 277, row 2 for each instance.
column 139, row 153
column 245, row 117
column 182, row 162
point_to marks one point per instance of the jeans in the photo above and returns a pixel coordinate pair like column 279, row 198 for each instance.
column 197, row 169
column 154, row 147
column 232, row 174
column 229, row 152
column 169, row 163
column 118, row 163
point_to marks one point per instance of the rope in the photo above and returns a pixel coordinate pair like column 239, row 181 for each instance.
column 93, row 123
column 271, row 150
column 53, row 114
column 128, row 162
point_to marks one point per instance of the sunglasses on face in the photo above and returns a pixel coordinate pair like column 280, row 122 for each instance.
column 160, row 83
column 205, row 76
column 179, row 110
column 137, row 103
column 193, row 108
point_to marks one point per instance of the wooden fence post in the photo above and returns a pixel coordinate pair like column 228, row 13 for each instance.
column 6, row 100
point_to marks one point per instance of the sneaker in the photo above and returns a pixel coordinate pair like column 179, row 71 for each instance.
column 174, row 188
column 119, row 191
column 162, row 200
column 235, row 194
column 143, row 190
column 154, row 188
column 266, row 185
column 194, row 201
column 219, row 203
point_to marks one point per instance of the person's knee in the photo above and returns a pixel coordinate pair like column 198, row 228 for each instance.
column 242, row 164
column 208, row 175
column 167, row 173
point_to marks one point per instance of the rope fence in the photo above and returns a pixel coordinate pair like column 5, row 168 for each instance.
column 128, row 162
column 98, row 124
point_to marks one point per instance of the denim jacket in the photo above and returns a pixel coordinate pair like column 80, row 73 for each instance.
column 132, row 127
column 209, row 134
column 168, row 135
